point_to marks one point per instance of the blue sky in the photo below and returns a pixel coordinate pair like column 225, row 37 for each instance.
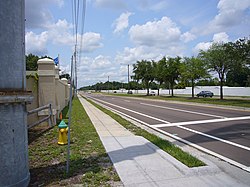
column 120, row 32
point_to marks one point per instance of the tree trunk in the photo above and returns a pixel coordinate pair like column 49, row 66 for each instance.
column 147, row 85
column 221, row 88
column 172, row 88
column 192, row 88
column 169, row 88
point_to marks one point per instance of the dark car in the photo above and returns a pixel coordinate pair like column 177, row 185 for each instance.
column 205, row 94
column 129, row 92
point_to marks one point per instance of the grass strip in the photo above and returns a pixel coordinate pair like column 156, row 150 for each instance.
column 228, row 101
column 89, row 162
column 168, row 147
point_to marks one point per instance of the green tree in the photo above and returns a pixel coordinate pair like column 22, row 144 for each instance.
column 193, row 69
column 143, row 71
column 158, row 73
column 239, row 54
column 218, row 60
column 238, row 77
column 31, row 62
column 170, row 71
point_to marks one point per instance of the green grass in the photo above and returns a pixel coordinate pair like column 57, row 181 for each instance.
column 228, row 101
column 89, row 163
column 170, row 148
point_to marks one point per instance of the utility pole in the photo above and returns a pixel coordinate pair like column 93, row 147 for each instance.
column 14, row 167
column 128, row 76
column 108, row 84
column 75, row 73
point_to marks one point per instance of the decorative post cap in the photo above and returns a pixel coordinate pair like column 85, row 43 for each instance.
column 62, row 125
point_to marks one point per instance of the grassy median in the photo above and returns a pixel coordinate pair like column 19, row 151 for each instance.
column 89, row 162
column 168, row 147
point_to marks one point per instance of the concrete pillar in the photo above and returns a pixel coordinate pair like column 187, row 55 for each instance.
column 65, row 81
column 46, row 82
column 14, row 169
column 58, row 107
column 46, row 85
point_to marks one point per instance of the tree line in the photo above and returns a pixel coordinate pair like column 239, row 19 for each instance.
column 230, row 61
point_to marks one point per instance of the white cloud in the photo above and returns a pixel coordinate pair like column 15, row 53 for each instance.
column 37, row 13
column 61, row 32
column 219, row 37
column 91, row 41
column 131, row 55
column 101, row 62
column 230, row 13
column 160, row 34
column 121, row 23
column 187, row 37
column 153, row 40
column 202, row 46
column 36, row 44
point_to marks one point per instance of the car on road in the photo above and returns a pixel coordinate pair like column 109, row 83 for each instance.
column 129, row 92
column 152, row 93
column 205, row 94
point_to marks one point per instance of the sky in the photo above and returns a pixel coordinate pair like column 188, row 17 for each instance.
column 118, row 33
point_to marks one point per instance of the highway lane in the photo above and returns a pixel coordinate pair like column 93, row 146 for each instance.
column 221, row 131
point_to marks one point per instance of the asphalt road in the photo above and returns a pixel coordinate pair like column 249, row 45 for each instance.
column 222, row 132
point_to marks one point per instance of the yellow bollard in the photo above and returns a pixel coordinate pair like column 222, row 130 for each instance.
column 63, row 131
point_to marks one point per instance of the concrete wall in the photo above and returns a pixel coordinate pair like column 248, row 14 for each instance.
column 48, row 88
column 228, row 91
column 32, row 85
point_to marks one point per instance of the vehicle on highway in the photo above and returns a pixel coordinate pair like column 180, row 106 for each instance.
column 205, row 94
column 129, row 92
column 152, row 93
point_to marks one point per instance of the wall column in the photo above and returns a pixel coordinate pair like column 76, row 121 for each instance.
column 46, row 85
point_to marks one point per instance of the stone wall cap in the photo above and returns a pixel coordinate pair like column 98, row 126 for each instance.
column 45, row 61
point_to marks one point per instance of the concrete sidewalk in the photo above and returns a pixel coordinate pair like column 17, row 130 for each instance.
column 138, row 162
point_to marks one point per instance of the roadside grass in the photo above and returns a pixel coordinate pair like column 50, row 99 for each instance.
column 168, row 147
column 228, row 101
column 89, row 162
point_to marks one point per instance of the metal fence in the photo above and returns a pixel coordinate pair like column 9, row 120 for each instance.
column 48, row 118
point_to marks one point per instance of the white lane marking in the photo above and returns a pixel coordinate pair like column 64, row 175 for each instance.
column 139, row 113
column 215, row 138
column 191, row 130
column 246, row 168
column 119, row 112
column 180, row 110
column 127, row 101
column 187, row 142
column 202, row 121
